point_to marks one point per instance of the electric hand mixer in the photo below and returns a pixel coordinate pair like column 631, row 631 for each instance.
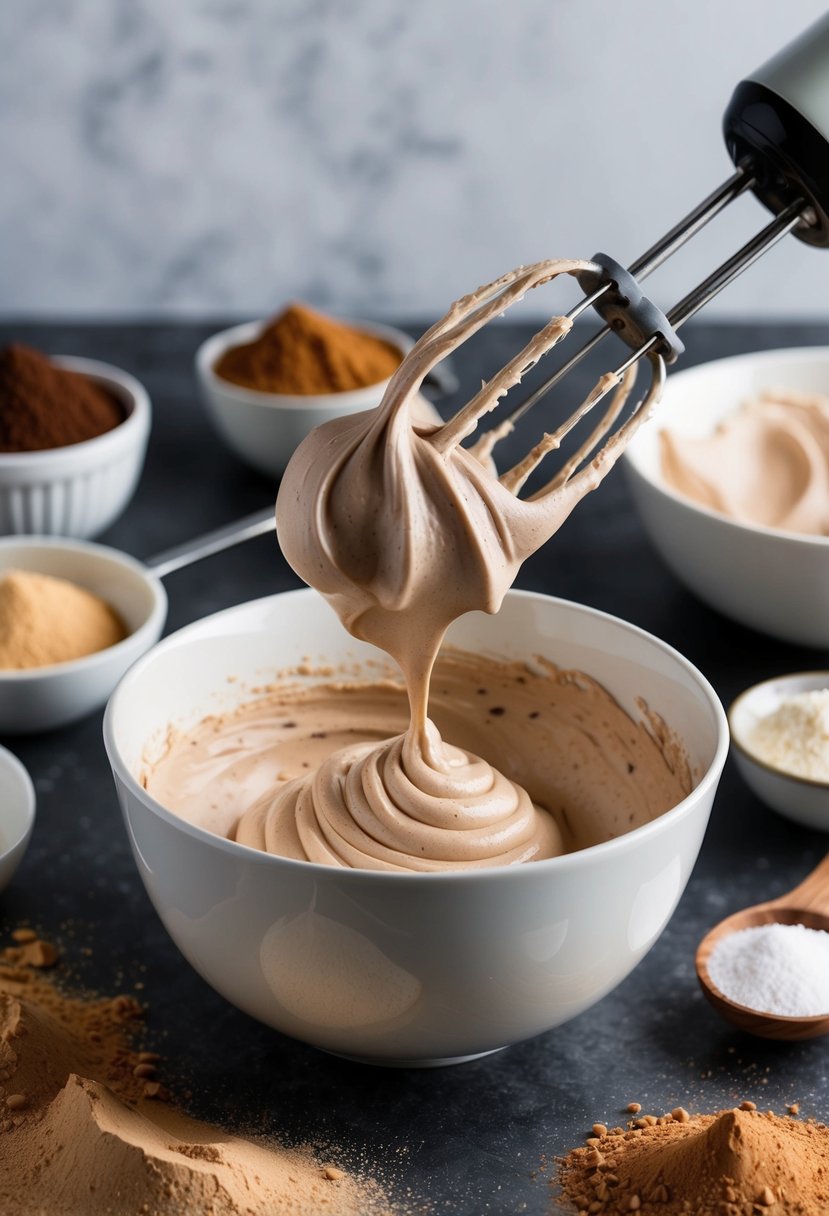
column 777, row 132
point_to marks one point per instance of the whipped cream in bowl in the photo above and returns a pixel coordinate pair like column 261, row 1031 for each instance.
column 731, row 479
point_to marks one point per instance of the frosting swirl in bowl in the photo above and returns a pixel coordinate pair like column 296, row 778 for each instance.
column 403, row 530
column 397, row 806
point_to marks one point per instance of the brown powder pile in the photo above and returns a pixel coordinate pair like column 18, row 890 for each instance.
column 43, row 406
column 733, row 1163
column 302, row 352
column 46, row 620
column 83, row 1134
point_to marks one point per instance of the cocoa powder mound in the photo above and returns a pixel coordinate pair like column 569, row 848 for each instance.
column 733, row 1163
column 82, row 1132
column 44, row 406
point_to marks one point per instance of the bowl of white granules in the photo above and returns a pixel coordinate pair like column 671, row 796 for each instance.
column 780, row 737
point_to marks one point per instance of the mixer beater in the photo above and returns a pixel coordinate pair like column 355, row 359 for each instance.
column 776, row 129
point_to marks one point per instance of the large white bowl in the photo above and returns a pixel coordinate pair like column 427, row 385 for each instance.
column 17, row 814
column 768, row 579
column 80, row 489
column 42, row 698
column 408, row 968
column 265, row 428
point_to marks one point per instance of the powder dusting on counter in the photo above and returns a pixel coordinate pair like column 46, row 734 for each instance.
column 740, row 1162
column 83, row 1133
column 774, row 968
column 302, row 353
column 794, row 737
column 45, row 620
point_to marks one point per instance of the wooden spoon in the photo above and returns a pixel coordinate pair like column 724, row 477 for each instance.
column 807, row 904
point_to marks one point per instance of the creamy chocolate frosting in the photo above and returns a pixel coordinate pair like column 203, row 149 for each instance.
column 403, row 530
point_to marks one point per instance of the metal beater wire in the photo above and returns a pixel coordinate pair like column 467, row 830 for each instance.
column 644, row 265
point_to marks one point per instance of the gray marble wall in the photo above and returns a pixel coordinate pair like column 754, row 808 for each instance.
column 374, row 157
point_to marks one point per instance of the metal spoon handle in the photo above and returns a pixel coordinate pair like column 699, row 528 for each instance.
column 811, row 895
column 225, row 537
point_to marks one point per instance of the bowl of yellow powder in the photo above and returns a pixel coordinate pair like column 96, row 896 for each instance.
column 73, row 617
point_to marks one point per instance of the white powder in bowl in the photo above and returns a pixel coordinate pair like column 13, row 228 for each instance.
column 795, row 736
column 781, row 969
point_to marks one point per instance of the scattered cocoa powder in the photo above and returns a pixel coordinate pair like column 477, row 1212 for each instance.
column 739, row 1162
column 44, row 406
column 302, row 352
column 82, row 1131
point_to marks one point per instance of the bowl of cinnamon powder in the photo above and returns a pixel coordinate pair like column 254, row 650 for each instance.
column 267, row 384
column 73, row 434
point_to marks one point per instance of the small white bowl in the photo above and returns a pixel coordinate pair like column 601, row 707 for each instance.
column 80, row 489
column 41, row 698
column 798, row 798
column 17, row 814
column 401, row 968
column 768, row 579
column 265, row 428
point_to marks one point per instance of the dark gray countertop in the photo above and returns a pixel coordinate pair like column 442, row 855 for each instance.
column 468, row 1138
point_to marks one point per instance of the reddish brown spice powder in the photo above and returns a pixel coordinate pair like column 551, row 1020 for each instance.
column 44, row 406
column 302, row 353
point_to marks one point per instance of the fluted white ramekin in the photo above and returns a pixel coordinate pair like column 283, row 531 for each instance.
column 80, row 489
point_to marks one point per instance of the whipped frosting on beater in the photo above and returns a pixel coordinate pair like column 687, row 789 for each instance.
column 403, row 530
column 767, row 463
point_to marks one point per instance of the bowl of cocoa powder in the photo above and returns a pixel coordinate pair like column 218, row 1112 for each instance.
column 267, row 384
column 73, row 435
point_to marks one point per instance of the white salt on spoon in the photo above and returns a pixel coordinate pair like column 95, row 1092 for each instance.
column 766, row 968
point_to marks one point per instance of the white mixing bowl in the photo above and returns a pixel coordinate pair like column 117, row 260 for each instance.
column 409, row 968
column 17, row 814
column 770, row 580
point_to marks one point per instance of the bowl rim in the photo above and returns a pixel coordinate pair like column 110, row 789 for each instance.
column 15, row 765
column 136, row 420
column 785, row 354
column 247, row 331
column 550, row 865
column 741, row 746
column 98, row 658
